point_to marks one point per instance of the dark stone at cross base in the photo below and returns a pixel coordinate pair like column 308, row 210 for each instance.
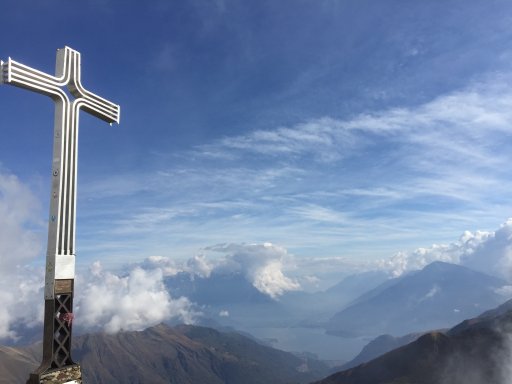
column 58, row 376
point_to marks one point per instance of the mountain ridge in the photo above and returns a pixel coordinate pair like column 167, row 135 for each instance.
column 475, row 351
column 183, row 354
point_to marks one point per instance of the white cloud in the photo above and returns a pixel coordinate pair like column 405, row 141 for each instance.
column 168, row 266
column 138, row 298
column 316, row 212
column 20, row 243
column 103, row 300
column 270, row 279
column 431, row 293
column 21, row 295
column 488, row 252
column 409, row 261
column 412, row 175
column 309, row 282
column 323, row 139
column 262, row 265
column 485, row 251
column 198, row 265
column 19, row 219
column 110, row 302
column 455, row 127
column 505, row 291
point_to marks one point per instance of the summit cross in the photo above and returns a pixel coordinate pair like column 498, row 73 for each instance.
column 57, row 365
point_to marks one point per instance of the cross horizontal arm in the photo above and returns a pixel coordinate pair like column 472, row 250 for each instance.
column 102, row 109
column 18, row 74
column 15, row 73
column 92, row 103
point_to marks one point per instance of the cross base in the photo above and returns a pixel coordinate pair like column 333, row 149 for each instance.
column 67, row 375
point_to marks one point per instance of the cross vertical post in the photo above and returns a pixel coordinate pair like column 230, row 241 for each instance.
column 57, row 365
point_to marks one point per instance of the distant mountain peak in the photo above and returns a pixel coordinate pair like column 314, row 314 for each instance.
column 438, row 296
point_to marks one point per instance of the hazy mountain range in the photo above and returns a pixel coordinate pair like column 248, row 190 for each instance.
column 438, row 296
column 365, row 306
column 476, row 351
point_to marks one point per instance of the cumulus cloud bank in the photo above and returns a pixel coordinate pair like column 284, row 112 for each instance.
column 20, row 243
column 261, row 264
column 197, row 265
column 19, row 210
column 488, row 252
column 104, row 300
column 131, row 302
column 268, row 266
column 21, row 296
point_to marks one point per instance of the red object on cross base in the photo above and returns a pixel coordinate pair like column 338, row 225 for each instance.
column 67, row 317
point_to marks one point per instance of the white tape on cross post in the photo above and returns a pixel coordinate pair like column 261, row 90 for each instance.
column 65, row 267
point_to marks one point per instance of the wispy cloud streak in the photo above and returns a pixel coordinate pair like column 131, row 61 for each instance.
column 404, row 176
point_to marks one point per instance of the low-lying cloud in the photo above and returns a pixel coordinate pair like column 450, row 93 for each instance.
column 488, row 252
column 20, row 243
column 130, row 302
column 274, row 271
column 21, row 295
column 262, row 265
column 104, row 301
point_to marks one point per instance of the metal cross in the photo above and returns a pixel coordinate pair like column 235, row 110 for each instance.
column 60, row 256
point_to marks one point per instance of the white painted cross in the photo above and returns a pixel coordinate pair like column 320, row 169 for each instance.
column 61, row 232
column 60, row 256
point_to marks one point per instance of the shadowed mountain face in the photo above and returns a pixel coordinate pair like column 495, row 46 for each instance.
column 183, row 354
column 438, row 296
column 317, row 307
column 476, row 351
column 379, row 346
column 15, row 364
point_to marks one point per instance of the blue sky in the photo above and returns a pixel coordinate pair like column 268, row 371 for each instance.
column 334, row 129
